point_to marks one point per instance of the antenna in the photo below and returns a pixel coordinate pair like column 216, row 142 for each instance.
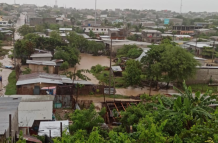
column 56, row 2
column 95, row 11
column 181, row 8
column 14, row 1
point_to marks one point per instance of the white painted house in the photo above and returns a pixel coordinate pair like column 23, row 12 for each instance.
column 96, row 29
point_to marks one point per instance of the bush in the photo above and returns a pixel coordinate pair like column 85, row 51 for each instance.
column 97, row 69
column 64, row 66
column 27, row 71
column 11, row 87
column 131, row 51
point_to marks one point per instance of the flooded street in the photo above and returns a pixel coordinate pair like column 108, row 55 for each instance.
column 87, row 61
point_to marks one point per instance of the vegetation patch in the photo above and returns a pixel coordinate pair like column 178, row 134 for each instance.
column 11, row 87
column 130, row 51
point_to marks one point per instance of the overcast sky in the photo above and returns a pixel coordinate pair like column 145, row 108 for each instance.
column 174, row 5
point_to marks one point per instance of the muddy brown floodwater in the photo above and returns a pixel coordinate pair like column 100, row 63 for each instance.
column 87, row 61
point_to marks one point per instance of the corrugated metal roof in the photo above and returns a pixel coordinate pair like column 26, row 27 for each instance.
column 42, row 78
column 31, row 111
column 33, row 98
column 8, row 105
column 54, row 126
column 41, row 55
column 116, row 68
column 83, row 82
column 48, row 63
column 38, row 80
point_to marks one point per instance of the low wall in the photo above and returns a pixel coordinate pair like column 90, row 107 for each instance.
column 204, row 75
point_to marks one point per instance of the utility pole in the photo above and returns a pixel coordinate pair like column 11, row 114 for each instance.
column 14, row 1
column 95, row 12
column 181, row 8
column 110, row 69
column 213, row 50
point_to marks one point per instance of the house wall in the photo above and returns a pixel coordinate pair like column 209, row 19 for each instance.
column 41, row 59
column 96, row 29
column 49, row 20
column 28, row 88
column 40, row 68
column 35, row 21
column 203, row 75
column 14, row 125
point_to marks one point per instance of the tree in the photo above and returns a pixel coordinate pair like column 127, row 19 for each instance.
column 95, row 47
column 25, row 29
column 170, row 62
column 92, row 34
column 55, row 35
column 133, row 72
column 69, row 54
column 86, row 119
column 64, row 66
column 78, row 41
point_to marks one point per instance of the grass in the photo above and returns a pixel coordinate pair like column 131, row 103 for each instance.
column 203, row 88
column 11, row 87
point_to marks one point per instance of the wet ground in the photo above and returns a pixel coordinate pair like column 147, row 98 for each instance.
column 5, row 72
column 87, row 61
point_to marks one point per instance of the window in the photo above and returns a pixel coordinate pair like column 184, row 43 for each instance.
column 0, row 22
column 89, row 28
column 97, row 29
column 84, row 28
column 102, row 29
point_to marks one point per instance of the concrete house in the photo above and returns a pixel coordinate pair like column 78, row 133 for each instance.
column 119, row 34
column 152, row 36
column 97, row 29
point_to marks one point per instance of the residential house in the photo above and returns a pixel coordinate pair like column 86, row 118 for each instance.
column 203, row 24
column 97, row 29
column 33, row 84
column 65, row 30
column 174, row 21
column 8, row 106
column 116, row 70
column 118, row 44
column 32, row 110
column 152, row 36
column 185, row 29
column 54, row 126
column 42, row 66
column 197, row 47
column 117, row 33
column 204, row 31
column 39, row 21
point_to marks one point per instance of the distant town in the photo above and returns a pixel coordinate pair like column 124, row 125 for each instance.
column 101, row 76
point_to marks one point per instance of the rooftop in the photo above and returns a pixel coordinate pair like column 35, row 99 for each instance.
column 41, row 55
column 48, row 63
column 8, row 105
column 54, row 126
column 151, row 31
column 42, row 78
column 65, row 29
column 116, row 69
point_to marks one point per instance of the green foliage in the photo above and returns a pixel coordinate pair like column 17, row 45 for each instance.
column 11, row 87
column 85, row 119
column 25, row 29
column 64, row 66
column 97, row 69
column 131, row 51
column 175, row 62
column 133, row 72
column 92, row 34
column 55, row 35
column 69, row 54
column 21, row 140
column 27, row 71
column 95, row 47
